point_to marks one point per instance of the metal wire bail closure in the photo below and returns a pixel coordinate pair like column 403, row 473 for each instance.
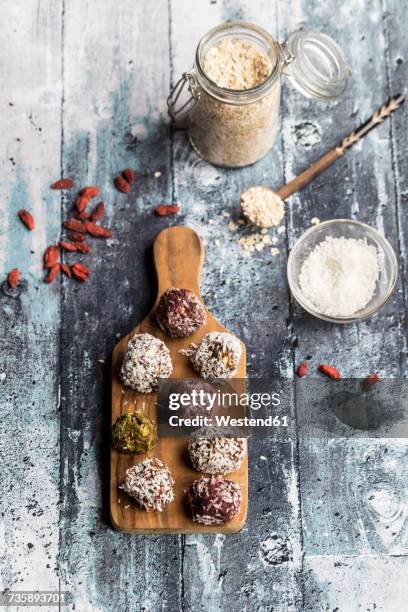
column 187, row 78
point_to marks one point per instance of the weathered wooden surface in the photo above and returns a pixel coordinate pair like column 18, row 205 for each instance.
column 84, row 90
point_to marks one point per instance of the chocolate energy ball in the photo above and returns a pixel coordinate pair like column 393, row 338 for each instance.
column 146, row 360
column 214, row 501
column 134, row 433
column 216, row 454
column 217, row 356
column 180, row 313
column 150, row 484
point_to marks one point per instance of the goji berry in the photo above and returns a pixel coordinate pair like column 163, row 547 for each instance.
column 90, row 192
column 64, row 183
column 83, row 247
column 84, row 215
column 302, row 369
column 66, row 270
column 167, row 209
column 76, row 237
column 68, row 246
column 121, row 184
column 370, row 381
column 98, row 212
column 329, row 371
column 13, row 278
column 51, row 256
column 97, row 231
column 27, row 218
column 80, row 271
column 52, row 274
column 128, row 175
column 75, row 225
column 81, row 203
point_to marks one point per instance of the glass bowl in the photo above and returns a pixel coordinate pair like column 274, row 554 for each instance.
column 349, row 229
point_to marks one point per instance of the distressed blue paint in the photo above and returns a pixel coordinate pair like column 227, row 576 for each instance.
column 114, row 115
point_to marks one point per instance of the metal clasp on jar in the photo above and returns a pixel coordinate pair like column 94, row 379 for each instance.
column 286, row 56
column 187, row 78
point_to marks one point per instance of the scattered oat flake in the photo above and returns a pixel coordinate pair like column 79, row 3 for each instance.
column 275, row 240
column 315, row 221
column 281, row 229
column 127, row 506
column 274, row 251
column 267, row 240
column 259, row 246
column 157, row 174
column 233, row 226
column 225, row 213
column 211, row 221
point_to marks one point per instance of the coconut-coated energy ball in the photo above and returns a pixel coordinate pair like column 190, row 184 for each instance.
column 216, row 454
column 217, row 356
column 150, row 484
column 180, row 312
column 214, row 501
column 134, row 433
column 146, row 360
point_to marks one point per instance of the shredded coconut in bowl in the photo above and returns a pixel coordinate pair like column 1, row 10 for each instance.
column 339, row 276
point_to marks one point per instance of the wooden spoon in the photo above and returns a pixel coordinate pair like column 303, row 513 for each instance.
column 331, row 156
column 178, row 256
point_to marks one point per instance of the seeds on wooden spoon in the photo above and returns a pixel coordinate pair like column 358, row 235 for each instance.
column 262, row 206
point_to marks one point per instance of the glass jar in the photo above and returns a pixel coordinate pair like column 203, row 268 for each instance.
column 237, row 127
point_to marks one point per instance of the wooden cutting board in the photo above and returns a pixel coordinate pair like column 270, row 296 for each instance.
column 178, row 257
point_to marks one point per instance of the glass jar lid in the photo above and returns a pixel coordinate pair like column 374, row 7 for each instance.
column 315, row 65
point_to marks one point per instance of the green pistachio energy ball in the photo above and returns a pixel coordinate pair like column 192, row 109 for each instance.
column 134, row 433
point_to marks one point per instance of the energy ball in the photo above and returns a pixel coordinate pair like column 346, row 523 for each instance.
column 146, row 360
column 134, row 433
column 180, row 313
column 214, row 501
column 216, row 454
column 150, row 484
column 217, row 356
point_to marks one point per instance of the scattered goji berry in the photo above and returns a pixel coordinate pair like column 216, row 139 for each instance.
column 83, row 247
column 13, row 278
column 81, row 203
column 167, row 209
column 90, row 192
column 98, row 212
column 329, row 371
column 51, row 256
column 121, row 184
column 52, row 273
column 27, row 218
column 68, row 246
column 128, row 175
column 76, row 237
column 66, row 270
column 97, row 231
column 64, row 183
column 84, row 215
column 75, row 225
column 302, row 369
column 370, row 381
column 80, row 271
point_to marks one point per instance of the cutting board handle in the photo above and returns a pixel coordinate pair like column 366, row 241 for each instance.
column 178, row 256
